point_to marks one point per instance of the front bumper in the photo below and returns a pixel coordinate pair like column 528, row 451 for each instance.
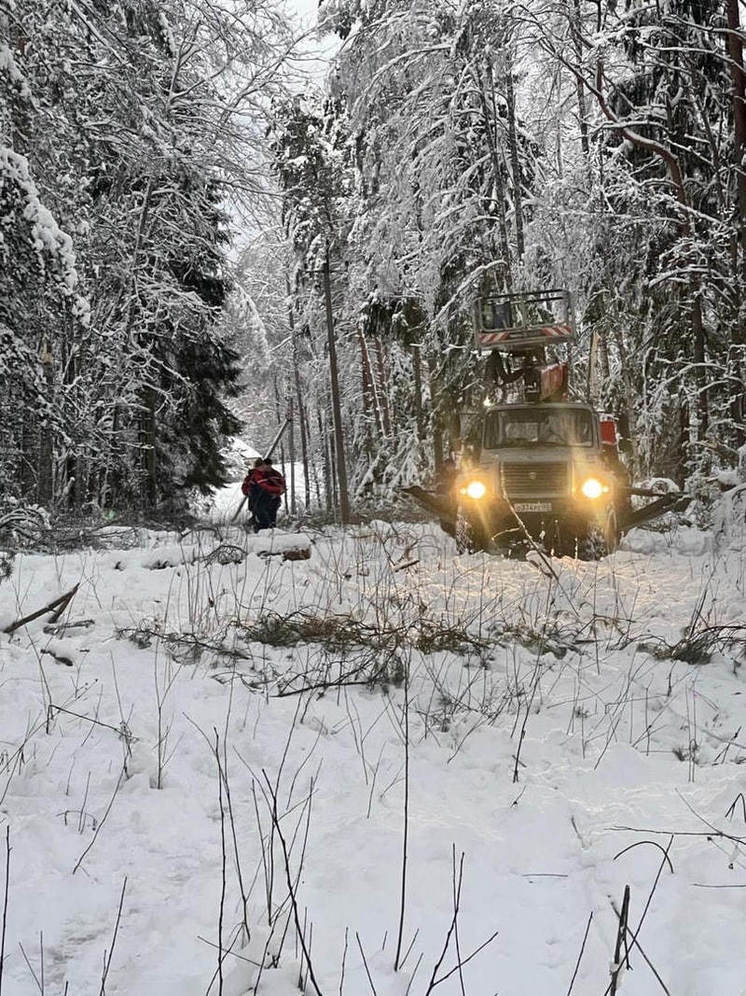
column 539, row 516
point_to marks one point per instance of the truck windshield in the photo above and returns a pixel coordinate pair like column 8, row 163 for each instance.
column 538, row 427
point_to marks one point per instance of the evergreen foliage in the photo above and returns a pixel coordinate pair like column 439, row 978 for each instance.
column 136, row 120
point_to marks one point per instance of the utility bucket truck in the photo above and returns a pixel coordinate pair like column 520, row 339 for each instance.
column 548, row 471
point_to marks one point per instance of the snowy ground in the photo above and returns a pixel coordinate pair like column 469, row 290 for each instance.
column 567, row 723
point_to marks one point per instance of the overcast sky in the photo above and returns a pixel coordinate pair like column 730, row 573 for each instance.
column 308, row 10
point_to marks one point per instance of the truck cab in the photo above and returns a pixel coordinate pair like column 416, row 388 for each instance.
column 544, row 474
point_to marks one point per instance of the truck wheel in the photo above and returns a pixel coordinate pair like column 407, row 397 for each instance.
column 611, row 531
column 470, row 536
column 601, row 538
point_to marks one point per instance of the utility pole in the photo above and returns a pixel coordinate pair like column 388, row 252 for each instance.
column 302, row 413
column 291, row 437
column 344, row 501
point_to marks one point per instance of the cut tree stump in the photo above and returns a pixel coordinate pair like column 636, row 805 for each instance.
column 299, row 554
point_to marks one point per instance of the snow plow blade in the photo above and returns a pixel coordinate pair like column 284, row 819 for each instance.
column 444, row 510
column 665, row 503
column 438, row 504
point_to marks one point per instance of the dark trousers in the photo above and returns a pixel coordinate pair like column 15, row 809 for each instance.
column 265, row 508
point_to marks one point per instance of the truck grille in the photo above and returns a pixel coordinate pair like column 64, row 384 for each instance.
column 535, row 479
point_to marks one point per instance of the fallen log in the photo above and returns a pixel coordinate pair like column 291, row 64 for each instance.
column 440, row 505
column 674, row 502
column 57, row 607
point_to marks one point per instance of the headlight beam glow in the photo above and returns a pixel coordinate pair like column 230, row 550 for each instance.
column 475, row 490
column 592, row 488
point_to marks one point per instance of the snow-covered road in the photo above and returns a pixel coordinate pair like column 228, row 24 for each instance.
column 566, row 723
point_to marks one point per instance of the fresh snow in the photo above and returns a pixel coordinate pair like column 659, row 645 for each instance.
column 46, row 236
column 573, row 659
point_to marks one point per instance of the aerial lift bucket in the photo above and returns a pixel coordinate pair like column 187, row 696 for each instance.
column 522, row 324
column 522, row 320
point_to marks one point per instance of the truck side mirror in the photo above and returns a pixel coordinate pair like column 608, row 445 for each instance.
column 609, row 436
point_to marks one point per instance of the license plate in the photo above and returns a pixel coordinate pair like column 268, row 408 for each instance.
column 532, row 506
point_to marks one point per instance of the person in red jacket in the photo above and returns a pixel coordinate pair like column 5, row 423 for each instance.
column 249, row 488
column 248, row 481
column 268, row 486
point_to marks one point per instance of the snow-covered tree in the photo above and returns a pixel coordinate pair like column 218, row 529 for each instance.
column 142, row 123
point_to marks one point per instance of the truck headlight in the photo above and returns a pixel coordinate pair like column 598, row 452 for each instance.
column 475, row 490
column 592, row 488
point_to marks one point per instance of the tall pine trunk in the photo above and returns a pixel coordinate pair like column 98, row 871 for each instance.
column 418, row 410
column 576, row 29
column 437, row 424
column 302, row 420
column 147, row 442
column 514, row 161
column 489, row 120
column 383, row 392
column 370, row 391
column 738, row 91
column 291, row 445
column 46, row 440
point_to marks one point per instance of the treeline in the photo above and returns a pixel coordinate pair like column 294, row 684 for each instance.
column 490, row 145
column 131, row 140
